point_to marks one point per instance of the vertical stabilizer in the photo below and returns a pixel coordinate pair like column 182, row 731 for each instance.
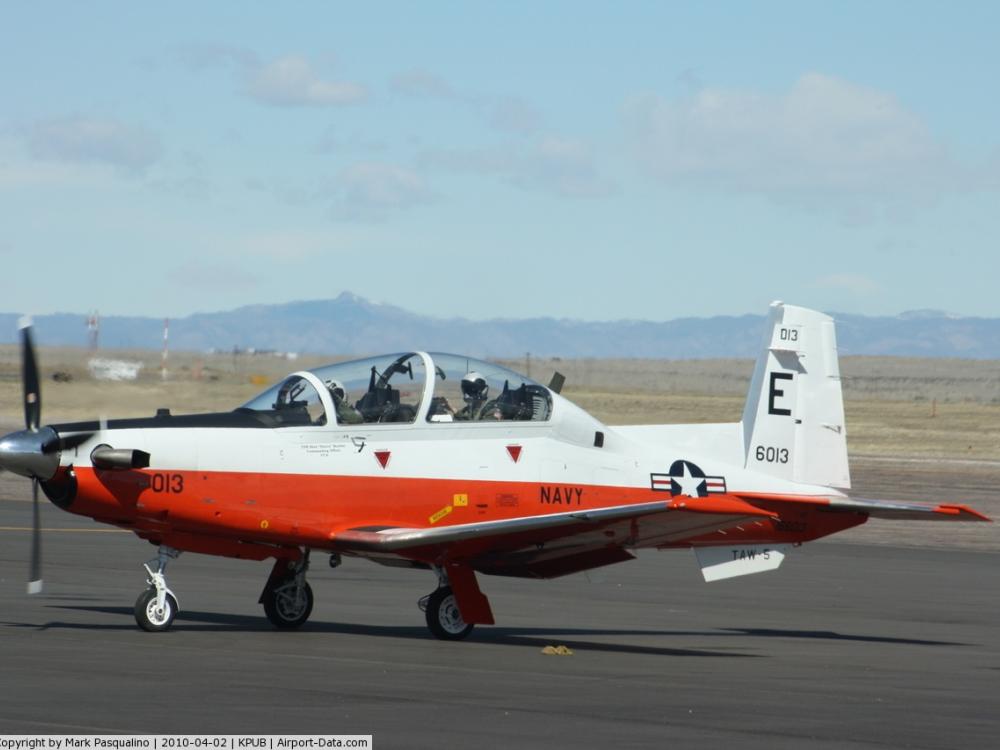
column 793, row 421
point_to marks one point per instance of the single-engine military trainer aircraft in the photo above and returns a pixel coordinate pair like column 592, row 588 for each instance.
column 459, row 466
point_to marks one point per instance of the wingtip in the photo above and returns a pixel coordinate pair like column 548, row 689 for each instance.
column 962, row 510
column 24, row 322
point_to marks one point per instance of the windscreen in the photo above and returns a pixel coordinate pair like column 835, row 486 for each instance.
column 375, row 390
column 293, row 401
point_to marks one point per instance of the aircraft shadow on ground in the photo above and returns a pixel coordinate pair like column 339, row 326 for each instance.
column 576, row 638
column 830, row 635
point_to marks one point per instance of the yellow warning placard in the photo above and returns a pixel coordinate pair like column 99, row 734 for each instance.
column 460, row 500
column 440, row 514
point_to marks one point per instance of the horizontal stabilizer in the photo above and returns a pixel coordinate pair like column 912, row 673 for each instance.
column 909, row 511
column 875, row 508
column 719, row 563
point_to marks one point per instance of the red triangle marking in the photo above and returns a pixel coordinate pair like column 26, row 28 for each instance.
column 382, row 457
column 514, row 451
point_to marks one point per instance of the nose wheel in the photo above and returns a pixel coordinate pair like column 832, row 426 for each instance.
column 153, row 616
column 156, row 607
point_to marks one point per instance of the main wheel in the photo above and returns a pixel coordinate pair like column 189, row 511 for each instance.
column 287, row 606
column 443, row 617
column 152, row 618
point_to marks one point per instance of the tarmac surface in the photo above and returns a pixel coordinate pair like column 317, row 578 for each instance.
column 848, row 645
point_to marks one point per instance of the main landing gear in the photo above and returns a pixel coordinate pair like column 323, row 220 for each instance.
column 156, row 607
column 441, row 610
column 287, row 596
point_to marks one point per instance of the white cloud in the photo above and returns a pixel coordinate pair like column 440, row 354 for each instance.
column 565, row 166
column 515, row 115
column 21, row 174
column 853, row 283
column 93, row 140
column 291, row 82
column 200, row 57
column 212, row 276
column 423, row 84
column 370, row 190
column 298, row 192
column 824, row 134
column 286, row 246
column 334, row 140
column 560, row 166
column 364, row 191
column 507, row 114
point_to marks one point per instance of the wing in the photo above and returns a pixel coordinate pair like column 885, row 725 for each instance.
column 554, row 544
column 545, row 546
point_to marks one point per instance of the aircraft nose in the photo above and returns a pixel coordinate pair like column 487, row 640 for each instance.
column 29, row 453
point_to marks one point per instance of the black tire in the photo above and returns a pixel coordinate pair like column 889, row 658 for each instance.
column 148, row 618
column 443, row 617
column 282, row 608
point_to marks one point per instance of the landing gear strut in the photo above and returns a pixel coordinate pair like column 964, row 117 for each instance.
column 156, row 607
column 287, row 596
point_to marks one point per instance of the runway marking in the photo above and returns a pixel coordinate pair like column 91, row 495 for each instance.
column 929, row 460
column 86, row 727
column 70, row 531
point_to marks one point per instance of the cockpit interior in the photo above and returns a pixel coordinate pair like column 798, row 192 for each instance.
column 394, row 388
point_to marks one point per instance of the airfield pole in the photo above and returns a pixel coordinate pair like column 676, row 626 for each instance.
column 166, row 338
column 93, row 328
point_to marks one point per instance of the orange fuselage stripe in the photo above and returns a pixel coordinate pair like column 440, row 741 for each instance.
column 297, row 509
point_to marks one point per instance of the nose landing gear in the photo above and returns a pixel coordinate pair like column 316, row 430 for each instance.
column 156, row 607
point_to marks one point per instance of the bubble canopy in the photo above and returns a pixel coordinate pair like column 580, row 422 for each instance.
column 395, row 388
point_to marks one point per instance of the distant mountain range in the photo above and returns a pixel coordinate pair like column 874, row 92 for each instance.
column 352, row 325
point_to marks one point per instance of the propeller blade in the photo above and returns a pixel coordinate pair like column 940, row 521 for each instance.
column 32, row 391
column 35, row 579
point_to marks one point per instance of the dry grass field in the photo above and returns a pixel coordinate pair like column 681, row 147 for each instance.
column 917, row 428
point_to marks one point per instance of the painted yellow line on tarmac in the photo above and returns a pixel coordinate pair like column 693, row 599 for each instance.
column 69, row 531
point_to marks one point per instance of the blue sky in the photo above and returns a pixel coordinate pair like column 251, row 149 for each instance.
column 582, row 160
